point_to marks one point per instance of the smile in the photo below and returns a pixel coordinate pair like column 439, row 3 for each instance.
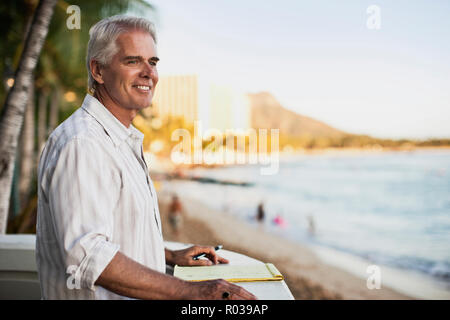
column 144, row 88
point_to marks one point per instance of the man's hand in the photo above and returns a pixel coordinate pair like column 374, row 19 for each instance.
column 212, row 289
column 219, row 290
column 185, row 257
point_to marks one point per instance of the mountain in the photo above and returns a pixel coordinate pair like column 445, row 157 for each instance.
column 267, row 113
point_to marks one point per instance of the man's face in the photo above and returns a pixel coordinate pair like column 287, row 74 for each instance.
column 131, row 76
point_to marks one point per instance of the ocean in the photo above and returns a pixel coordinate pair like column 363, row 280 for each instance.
column 390, row 209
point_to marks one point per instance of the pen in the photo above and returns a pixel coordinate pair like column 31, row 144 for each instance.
column 204, row 254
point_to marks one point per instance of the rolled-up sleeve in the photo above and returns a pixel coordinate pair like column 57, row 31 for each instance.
column 83, row 191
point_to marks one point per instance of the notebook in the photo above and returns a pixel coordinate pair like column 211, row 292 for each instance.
column 247, row 273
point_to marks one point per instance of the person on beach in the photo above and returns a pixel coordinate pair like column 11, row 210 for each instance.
column 260, row 215
column 280, row 221
column 311, row 225
column 175, row 215
column 99, row 232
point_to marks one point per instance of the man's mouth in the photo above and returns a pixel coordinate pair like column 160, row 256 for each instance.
column 142, row 87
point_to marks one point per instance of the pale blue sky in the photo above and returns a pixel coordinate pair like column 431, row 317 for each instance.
column 319, row 58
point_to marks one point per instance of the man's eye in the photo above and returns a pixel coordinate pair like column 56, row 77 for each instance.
column 132, row 62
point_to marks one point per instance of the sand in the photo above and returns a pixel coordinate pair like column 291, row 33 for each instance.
column 306, row 275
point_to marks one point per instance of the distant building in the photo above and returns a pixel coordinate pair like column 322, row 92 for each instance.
column 230, row 109
column 196, row 98
column 177, row 96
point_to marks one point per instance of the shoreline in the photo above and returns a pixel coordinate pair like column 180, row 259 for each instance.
column 357, row 151
column 164, row 165
column 307, row 275
column 404, row 281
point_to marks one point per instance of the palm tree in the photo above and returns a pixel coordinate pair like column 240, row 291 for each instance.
column 13, row 112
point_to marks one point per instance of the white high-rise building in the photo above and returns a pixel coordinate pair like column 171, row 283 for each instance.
column 196, row 98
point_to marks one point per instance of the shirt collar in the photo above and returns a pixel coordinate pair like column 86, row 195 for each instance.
column 113, row 127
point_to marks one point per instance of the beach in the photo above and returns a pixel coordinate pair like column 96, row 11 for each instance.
column 307, row 276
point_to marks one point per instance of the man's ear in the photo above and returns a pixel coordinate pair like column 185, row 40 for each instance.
column 96, row 71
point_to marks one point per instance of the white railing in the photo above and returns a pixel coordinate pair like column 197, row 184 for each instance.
column 19, row 278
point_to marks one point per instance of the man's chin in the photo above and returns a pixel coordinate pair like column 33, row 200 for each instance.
column 142, row 105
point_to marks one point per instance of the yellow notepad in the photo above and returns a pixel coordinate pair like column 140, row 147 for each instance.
column 257, row 272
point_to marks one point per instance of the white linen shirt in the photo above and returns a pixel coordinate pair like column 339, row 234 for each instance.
column 95, row 197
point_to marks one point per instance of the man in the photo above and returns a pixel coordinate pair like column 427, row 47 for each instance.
column 99, row 230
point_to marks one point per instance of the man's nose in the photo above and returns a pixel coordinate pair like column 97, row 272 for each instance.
column 148, row 70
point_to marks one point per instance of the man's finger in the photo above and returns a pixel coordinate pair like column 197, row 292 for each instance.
column 211, row 254
column 197, row 250
column 222, row 260
column 213, row 257
column 201, row 262
column 240, row 293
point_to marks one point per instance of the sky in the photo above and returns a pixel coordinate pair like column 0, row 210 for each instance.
column 321, row 59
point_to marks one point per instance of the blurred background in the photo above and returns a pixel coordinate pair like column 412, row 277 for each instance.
column 358, row 90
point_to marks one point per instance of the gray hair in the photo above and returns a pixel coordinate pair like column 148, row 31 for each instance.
column 102, row 40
